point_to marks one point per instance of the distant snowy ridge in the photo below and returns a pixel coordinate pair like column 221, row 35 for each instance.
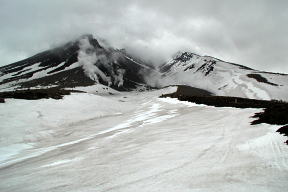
column 223, row 78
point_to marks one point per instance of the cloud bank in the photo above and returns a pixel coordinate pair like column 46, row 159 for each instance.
column 252, row 33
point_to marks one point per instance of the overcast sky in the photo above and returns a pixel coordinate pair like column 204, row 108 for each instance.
column 252, row 32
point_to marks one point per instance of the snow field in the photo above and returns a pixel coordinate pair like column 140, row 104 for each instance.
column 137, row 142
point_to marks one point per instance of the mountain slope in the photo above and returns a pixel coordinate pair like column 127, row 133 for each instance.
column 223, row 78
column 82, row 62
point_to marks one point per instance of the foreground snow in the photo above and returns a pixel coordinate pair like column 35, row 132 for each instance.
column 136, row 142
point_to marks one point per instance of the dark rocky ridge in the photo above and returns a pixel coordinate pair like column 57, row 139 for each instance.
column 35, row 94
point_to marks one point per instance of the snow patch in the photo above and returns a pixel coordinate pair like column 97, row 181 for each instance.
column 175, row 101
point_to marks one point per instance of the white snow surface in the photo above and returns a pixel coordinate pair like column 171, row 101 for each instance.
column 136, row 142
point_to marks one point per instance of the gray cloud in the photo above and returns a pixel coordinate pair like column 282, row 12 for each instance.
column 252, row 33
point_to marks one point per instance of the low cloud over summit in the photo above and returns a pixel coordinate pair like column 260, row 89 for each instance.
column 253, row 33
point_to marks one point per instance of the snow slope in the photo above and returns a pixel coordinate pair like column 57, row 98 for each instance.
column 136, row 142
column 222, row 78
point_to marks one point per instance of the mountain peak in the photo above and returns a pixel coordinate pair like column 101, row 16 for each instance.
column 81, row 62
column 184, row 56
column 93, row 41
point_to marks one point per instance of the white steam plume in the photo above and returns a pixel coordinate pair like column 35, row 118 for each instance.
column 87, row 59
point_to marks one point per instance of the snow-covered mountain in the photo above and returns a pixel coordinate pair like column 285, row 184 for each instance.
column 82, row 62
column 223, row 78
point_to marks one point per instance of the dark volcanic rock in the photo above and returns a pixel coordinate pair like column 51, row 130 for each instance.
column 35, row 94
column 184, row 90
column 284, row 131
column 207, row 68
column 261, row 79
column 276, row 113
column 186, row 56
